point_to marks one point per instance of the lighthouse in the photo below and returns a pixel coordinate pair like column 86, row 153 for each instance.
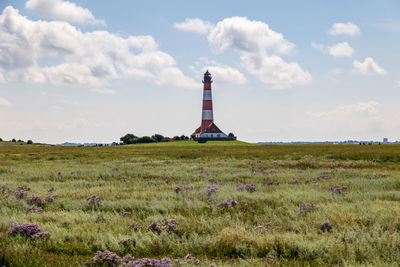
column 208, row 130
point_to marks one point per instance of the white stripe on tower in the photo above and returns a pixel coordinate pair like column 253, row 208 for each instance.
column 207, row 115
column 207, row 95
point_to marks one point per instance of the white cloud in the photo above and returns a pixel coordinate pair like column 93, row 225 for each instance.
column 368, row 67
column 341, row 50
column 4, row 102
column 63, row 10
column 257, row 45
column 274, row 70
column 344, row 29
column 194, row 25
column 338, row 50
column 221, row 73
column 104, row 91
column 88, row 59
column 248, row 36
column 368, row 108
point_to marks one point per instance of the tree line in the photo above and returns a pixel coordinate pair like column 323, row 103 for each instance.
column 156, row 138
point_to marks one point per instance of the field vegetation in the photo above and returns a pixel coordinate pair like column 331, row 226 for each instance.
column 219, row 203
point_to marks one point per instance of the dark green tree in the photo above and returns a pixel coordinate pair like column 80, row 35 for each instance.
column 158, row 137
column 177, row 138
column 13, row 140
column 128, row 139
column 29, row 142
column 231, row 135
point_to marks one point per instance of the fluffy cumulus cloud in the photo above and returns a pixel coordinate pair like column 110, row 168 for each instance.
column 348, row 28
column 194, row 25
column 259, row 47
column 63, row 10
column 88, row 59
column 4, row 102
column 368, row 67
column 338, row 50
column 341, row 50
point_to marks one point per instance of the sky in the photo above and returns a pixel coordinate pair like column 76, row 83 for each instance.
column 94, row 70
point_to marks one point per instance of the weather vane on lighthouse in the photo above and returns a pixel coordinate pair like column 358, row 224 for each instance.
column 208, row 130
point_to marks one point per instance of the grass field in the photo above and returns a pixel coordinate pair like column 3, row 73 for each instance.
column 224, row 203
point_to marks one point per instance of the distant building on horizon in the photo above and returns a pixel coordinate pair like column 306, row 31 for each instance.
column 208, row 130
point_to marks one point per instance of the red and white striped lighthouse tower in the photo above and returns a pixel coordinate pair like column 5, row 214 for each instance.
column 207, row 115
column 208, row 130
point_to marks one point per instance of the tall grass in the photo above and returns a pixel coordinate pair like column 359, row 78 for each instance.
column 141, row 179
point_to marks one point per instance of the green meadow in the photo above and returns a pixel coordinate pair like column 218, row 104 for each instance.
column 224, row 203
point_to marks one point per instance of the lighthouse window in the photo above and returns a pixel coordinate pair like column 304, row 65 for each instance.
column 211, row 135
column 218, row 135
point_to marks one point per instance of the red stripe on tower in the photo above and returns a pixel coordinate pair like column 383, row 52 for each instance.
column 207, row 115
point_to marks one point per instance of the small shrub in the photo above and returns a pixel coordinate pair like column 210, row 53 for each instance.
column 34, row 200
column 93, row 202
column 326, row 227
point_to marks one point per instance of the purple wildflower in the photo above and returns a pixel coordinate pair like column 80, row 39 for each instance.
column 51, row 190
column 250, row 188
column 339, row 189
column 155, row 227
column 178, row 188
column 211, row 190
column 33, row 209
column 51, row 198
column 28, row 230
column 93, row 202
column 34, row 200
column 164, row 262
column 105, row 258
column 270, row 183
column 190, row 259
column 227, row 203
column 240, row 187
column 326, row 226
column 303, row 208
column 294, row 181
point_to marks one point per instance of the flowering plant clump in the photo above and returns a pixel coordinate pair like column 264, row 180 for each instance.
column 180, row 188
column 326, row 226
column 167, row 225
column 51, row 198
column 270, row 183
column 105, row 258
column 265, row 227
column 125, row 213
column 303, row 208
column 339, row 189
column 134, row 226
column 190, row 259
column 33, row 209
column 227, row 203
column 294, row 181
column 250, row 188
column 211, row 190
column 29, row 230
column 155, row 227
column 34, row 200
column 93, row 202
column 51, row 190
column 164, row 262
